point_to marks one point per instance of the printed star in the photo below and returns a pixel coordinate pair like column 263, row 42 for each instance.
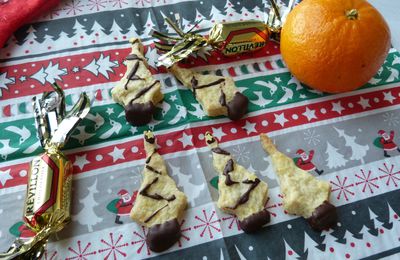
column 250, row 127
column 133, row 129
column 277, row 80
column 5, row 176
column 310, row 114
column 117, row 154
column 22, row 78
column 337, row 107
column 364, row 103
column 218, row 133
column 75, row 69
column 388, row 97
column 110, row 110
column 81, row 161
column 280, row 119
column 186, row 140
column 173, row 98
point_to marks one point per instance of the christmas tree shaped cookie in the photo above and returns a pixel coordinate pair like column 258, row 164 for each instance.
column 159, row 203
column 137, row 91
column 303, row 194
column 240, row 192
column 217, row 95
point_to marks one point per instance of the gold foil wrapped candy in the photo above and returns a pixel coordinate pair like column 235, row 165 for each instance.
column 231, row 38
column 48, row 196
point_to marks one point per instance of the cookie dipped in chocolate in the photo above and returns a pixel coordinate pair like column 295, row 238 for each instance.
column 323, row 217
column 137, row 91
column 255, row 222
column 237, row 107
column 159, row 205
column 160, row 237
column 139, row 114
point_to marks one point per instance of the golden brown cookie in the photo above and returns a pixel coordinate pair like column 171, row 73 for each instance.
column 138, row 92
column 240, row 192
column 303, row 194
column 159, row 203
column 217, row 95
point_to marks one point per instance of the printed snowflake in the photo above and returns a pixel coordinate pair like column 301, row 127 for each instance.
column 183, row 236
column 96, row 4
column 73, row 7
column 50, row 255
column 141, row 241
column 269, row 206
column 80, row 253
column 113, row 247
column 209, row 223
column 342, row 188
column 367, row 181
column 53, row 13
column 233, row 221
column 241, row 154
column 391, row 118
column 142, row 2
column 311, row 137
column 390, row 174
column 118, row 3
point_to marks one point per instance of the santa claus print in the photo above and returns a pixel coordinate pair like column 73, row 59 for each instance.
column 385, row 142
column 304, row 162
column 123, row 205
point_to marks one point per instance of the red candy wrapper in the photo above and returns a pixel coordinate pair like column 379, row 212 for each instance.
column 15, row 13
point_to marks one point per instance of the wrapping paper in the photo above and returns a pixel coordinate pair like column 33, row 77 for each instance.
column 81, row 45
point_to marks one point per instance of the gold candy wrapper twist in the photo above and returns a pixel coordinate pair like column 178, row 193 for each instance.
column 48, row 196
column 231, row 38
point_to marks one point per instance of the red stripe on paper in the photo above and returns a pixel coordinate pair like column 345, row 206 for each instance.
column 27, row 84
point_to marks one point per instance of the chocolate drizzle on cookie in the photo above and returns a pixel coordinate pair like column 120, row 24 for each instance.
column 144, row 90
column 148, row 167
column 151, row 155
column 150, row 139
column 154, row 213
column 155, row 196
column 229, row 168
column 323, row 217
column 236, row 108
column 133, row 56
column 132, row 74
column 219, row 151
column 245, row 197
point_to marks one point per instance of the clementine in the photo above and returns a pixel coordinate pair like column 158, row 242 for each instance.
column 334, row 45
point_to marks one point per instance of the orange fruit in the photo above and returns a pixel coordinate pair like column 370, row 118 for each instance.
column 334, row 45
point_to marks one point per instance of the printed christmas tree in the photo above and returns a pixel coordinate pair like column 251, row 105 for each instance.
column 231, row 14
column 216, row 15
column 358, row 151
column 148, row 26
column 87, row 216
column 167, row 28
column 205, row 23
column 115, row 29
column 78, row 28
column 335, row 159
column 31, row 37
column 131, row 32
column 311, row 247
